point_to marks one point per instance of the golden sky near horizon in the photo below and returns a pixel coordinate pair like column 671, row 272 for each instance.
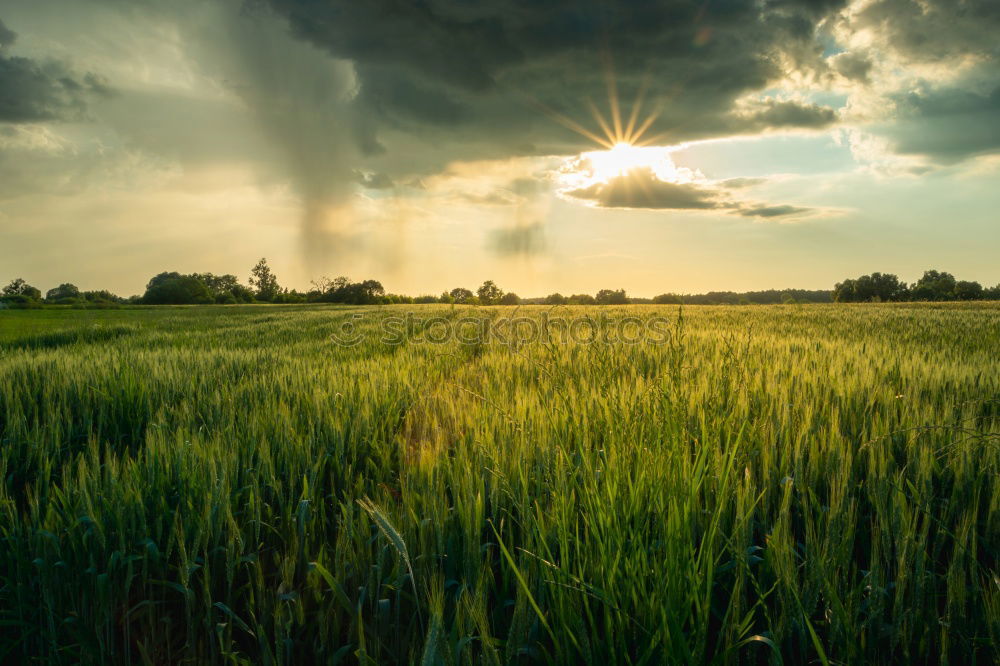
column 656, row 146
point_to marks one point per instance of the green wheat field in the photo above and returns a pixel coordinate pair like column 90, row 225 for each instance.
column 769, row 485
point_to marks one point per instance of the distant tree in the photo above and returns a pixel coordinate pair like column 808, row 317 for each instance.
column 161, row 278
column 846, row 291
column 102, row 295
column 425, row 299
column 934, row 286
column 63, row 292
column 226, row 289
column 611, row 297
column 878, row 287
column 461, row 295
column 746, row 298
column 20, row 295
column 510, row 298
column 99, row 299
column 242, row 294
column 446, row 297
column 555, row 299
column 15, row 287
column 992, row 294
column 489, row 293
column 264, row 282
column 321, row 285
column 969, row 291
column 176, row 289
column 342, row 290
column 290, row 296
column 369, row 291
column 581, row 299
column 19, row 287
column 19, row 302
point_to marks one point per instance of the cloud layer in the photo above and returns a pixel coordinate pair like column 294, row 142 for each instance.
column 464, row 71
column 641, row 188
column 458, row 113
column 32, row 91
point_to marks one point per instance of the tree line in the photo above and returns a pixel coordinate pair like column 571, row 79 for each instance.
column 766, row 297
column 932, row 286
column 172, row 288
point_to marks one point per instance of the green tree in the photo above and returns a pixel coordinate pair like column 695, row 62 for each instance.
column 880, row 287
column 63, row 292
column 360, row 293
column 175, row 289
column 934, row 286
column 555, row 299
column 489, row 293
column 460, row 295
column 342, row 290
column 264, row 282
column 611, row 297
column 100, row 299
column 18, row 287
column 969, row 291
column 581, row 299
column 225, row 288
column 510, row 298
column 846, row 291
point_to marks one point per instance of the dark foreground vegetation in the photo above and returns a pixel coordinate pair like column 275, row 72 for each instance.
column 172, row 288
column 764, row 485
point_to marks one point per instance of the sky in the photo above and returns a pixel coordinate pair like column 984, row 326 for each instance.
column 569, row 145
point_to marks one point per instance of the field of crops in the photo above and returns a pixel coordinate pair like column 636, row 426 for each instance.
column 774, row 484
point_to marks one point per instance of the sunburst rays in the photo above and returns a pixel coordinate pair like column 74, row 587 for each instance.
column 612, row 129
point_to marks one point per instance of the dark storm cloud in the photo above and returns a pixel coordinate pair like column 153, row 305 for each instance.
column 7, row 36
column 955, row 114
column 935, row 30
column 300, row 99
column 777, row 114
column 32, row 91
column 948, row 124
column 853, row 66
column 640, row 188
column 463, row 70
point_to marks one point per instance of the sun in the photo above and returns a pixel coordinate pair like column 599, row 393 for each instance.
column 628, row 152
column 623, row 158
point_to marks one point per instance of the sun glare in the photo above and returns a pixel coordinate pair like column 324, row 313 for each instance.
column 623, row 158
column 627, row 149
